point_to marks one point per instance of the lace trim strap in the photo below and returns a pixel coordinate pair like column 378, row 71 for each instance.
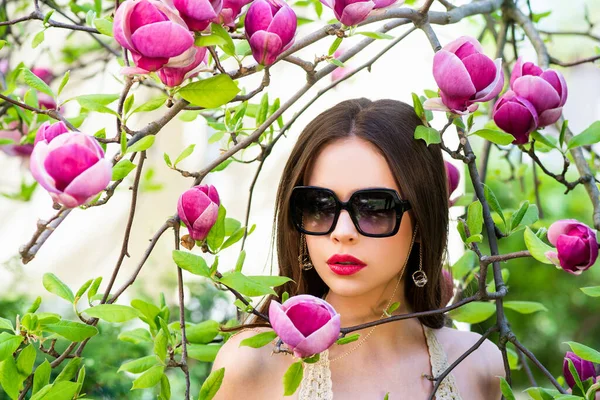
column 448, row 389
column 316, row 383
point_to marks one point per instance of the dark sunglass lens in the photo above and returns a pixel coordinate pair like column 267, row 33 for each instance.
column 314, row 210
column 375, row 212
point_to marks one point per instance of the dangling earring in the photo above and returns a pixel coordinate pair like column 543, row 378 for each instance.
column 304, row 258
column 419, row 277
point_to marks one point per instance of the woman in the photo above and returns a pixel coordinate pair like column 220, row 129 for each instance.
column 395, row 235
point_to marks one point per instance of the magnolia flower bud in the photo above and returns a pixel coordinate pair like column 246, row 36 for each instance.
column 72, row 168
column 198, row 208
column 576, row 246
column 307, row 324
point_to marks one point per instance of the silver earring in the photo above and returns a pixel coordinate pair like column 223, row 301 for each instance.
column 419, row 276
column 304, row 258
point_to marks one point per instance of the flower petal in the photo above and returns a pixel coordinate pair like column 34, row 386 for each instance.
column 319, row 340
column 308, row 317
column 265, row 47
column 538, row 91
column 451, row 76
column 258, row 17
column 560, row 227
column 494, row 88
column 67, row 162
column 282, row 325
column 90, row 182
column 284, row 24
column 456, row 44
column 162, row 40
column 356, row 13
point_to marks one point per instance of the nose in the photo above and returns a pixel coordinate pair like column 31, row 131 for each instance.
column 344, row 230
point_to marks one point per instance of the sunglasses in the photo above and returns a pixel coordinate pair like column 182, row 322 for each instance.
column 375, row 212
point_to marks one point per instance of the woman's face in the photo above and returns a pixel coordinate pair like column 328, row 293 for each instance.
column 345, row 166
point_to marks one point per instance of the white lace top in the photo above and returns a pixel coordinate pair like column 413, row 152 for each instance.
column 316, row 383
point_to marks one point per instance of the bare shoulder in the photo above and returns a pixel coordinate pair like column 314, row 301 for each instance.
column 241, row 363
column 485, row 364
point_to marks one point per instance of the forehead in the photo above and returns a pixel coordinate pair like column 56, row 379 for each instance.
column 347, row 165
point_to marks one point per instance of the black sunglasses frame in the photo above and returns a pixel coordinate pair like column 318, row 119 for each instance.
column 400, row 206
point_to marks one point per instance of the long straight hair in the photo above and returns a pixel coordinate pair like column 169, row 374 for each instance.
column 419, row 172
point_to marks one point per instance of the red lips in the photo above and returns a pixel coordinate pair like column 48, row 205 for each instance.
column 344, row 258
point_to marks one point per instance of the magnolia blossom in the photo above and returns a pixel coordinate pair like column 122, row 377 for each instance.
column 307, row 324
column 46, row 132
column 198, row 14
column 175, row 76
column 515, row 115
column 13, row 133
column 576, row 246
column 465, row 77
column 198, row 208
column 71, row 167
column 585, row 369
column 270, row 29
column 154, row 33
column 353, row 12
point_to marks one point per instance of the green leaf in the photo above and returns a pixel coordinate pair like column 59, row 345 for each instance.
column 122, row 169
column 104, row 26
column 419, row 110
column 240, row 261
column 91, row 105
column 2, row 43
column 184, row 154
column 592, row 291
column 493, row 201
column 167, row 160
column 9, row 378
column 202, row 333
column 375, row 35
column 475, row 218
column 123, row 142
column 506, row 390
column 536, row 247
column 136, row 336
column 494, row 136
column 83, row 288
column 64, row 81
column 589, row 136
column 234, row 238
column 473, row 312
column 57, row 287
column 209, row 40
column 428, row 134
column 563, row 129
column 37, row 39
column 263, row 109
column 245, row 285
column 94, row 288
column 41, row 377
column 465, row 264
column 165, row 388
column 259, row 340
column 203, row 352
column 33, row 81
column 150, row 311
column 536, row 17
column 69, row 371
column 62, row 390
column 25, row 360
column 525, row 307
column 584, row 352
column 160, row 345
column 211, row 385
column 128, row 103
column 575, row 375
column 348, row 339
column 517, row 217
column 336, row 62
column 210, row 93
column 143, row 144
column 334, row 46
column 103, row 99
column 150, row 105
column 270, row 280
column 228, row 47
column 6, row 324
column 149, row 378
column 543, row 139
column 217, row 232
column 191, row 262
column 293, row 378
column 113, row 312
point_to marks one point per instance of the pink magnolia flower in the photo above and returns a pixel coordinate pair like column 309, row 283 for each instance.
column 198, row 14
column 515, row 115
column 230, row 11
column 453, row 176
column 13, row 133
column 72, row 168
column 307, row 324
column 154, row 33
column 576, row 246
column 353, row 12
column 465, row 77
column 270, row 29
column 175, row 76
column 585, row 369
column 447, row 287
column 545, row 90
column 43, row 73
column 47, row 131
column 198, row 208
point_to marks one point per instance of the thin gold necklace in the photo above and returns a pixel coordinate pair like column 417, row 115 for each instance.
column 360, row 343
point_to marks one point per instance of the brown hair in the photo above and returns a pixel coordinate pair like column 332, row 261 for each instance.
column 419, row 171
